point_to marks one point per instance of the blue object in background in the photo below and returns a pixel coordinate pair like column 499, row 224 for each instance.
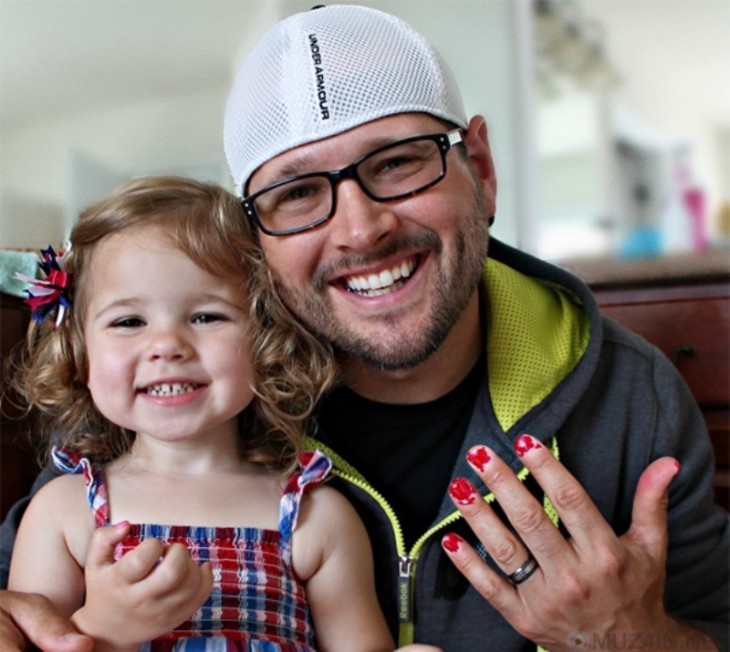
column 643, row 242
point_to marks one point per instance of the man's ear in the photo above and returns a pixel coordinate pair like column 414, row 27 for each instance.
column 476, row 140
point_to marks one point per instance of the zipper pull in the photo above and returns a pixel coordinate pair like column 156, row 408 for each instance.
column 404, row 589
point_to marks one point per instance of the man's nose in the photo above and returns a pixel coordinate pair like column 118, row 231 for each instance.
column 360, row 223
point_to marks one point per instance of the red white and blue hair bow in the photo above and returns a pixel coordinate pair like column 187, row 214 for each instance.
column 50, row 294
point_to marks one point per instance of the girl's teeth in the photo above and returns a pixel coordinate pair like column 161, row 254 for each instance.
column 170, row 389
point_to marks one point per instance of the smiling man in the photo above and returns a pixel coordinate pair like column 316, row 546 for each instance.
column 373, row 194
column 485, row 400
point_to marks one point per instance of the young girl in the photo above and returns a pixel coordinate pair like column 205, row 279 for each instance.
column 180, row 386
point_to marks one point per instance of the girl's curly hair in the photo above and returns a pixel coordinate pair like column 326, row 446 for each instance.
column 293, row 368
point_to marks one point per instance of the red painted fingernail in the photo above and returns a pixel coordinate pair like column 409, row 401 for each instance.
column 120, row 525
column 462, row 491
column 677, row 465
column 452, row 542
column 478, row 457
column 524, row 444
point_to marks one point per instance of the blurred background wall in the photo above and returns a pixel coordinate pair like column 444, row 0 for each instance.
column 609, row 119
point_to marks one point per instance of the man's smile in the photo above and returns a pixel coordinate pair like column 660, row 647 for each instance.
column 383, row 282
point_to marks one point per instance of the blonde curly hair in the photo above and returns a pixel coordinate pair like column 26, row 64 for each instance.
column 292, row 367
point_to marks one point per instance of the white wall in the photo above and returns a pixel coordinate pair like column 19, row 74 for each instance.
column 40, row 174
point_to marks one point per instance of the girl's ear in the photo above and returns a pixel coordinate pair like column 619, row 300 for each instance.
column 476, row 140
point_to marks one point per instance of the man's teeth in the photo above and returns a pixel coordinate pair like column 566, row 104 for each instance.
column 171, row 389
column 374, row 285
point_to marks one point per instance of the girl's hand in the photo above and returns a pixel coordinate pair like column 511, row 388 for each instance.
column 147, row 593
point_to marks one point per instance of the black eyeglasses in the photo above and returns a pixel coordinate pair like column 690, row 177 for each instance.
column 400, row 169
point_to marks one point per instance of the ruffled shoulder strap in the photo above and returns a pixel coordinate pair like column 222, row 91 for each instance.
column 314, row 467
column 96, row 495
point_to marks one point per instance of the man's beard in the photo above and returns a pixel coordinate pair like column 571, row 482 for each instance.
column 454, row 288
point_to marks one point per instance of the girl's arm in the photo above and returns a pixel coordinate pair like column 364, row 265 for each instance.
column 119, row 604
column 332, row 552
column 50, row 545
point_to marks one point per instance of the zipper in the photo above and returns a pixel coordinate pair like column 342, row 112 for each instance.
column 407, row 560
column 406, row 576
column 405, row 566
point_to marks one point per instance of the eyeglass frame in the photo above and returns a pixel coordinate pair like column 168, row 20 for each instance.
column 444, row 140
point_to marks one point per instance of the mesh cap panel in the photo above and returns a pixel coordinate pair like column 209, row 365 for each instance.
column 323, row 71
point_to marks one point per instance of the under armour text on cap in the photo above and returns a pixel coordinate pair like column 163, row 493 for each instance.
column 324, row 71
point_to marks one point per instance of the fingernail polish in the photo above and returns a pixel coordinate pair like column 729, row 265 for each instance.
column 478, row 457
column 452, row 542
column 524, row 444
column 120, row 525
column 462, row 491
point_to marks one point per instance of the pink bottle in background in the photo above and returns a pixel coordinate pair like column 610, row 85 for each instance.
column 695, row 201
column 684, row 226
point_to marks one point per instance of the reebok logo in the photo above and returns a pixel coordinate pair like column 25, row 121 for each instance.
column 324, row 111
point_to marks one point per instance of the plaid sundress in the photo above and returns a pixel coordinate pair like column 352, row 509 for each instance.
column 258, row 603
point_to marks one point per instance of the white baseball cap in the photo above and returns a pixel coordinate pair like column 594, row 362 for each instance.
column 324, row 71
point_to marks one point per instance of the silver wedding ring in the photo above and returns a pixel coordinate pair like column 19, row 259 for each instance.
column 523, row 572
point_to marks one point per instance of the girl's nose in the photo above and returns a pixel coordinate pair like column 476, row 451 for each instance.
column 169, row 344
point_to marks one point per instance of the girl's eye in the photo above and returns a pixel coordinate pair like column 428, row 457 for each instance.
column 128, row 322
column 207, row 318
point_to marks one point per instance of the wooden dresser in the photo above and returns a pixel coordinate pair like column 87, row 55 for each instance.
column 17, row 458
column 682, row 305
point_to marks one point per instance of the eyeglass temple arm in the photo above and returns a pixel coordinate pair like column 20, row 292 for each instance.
column 454, row 137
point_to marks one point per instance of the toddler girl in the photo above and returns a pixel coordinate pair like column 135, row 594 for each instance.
column 179, row 387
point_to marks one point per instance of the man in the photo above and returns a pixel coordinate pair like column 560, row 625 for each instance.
column 372, row 194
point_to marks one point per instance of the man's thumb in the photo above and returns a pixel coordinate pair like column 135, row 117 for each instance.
column 649, row 513
column 29, row 617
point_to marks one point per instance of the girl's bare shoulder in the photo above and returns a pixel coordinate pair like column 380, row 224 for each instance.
column 66, row 487
column 325, row 500
column 328, row 524
column 60, row 508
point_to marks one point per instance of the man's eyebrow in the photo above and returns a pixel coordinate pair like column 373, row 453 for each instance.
column 302, row 163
